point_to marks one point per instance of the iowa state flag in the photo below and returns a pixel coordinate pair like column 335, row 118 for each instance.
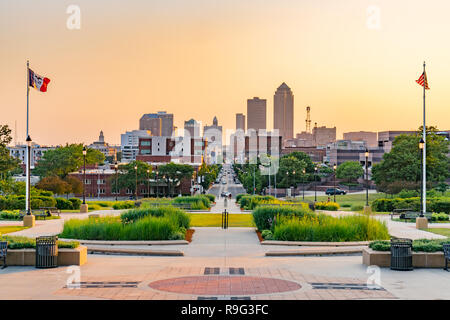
column 37, row 82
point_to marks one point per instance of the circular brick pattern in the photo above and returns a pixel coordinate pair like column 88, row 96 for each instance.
column 224, row 285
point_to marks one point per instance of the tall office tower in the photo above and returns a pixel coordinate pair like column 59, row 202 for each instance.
column 160, row 124
column 240, row 121
column 256, row 114
column 193, row 127
column 283, row 111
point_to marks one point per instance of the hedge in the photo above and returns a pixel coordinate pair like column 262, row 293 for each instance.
column 76, row 203
column 433, row 204
column 250, row 202
column 16, row 242
column 63, row 204
column 420, row 245
column 179, row 216
column 263, row 216
column 14, row 202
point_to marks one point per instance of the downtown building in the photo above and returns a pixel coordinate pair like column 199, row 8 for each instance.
column 256, row 114
column 213, row 135
column 283, row 111
column 105, row 148
column 159, row 124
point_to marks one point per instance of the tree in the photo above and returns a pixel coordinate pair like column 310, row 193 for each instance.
column 349, row 171
column 442, row 187
column 54, row 184
column 127, row 175
column 7, row 163
column 209, row 174
column 403, row 163
column 63, row 160
column 173, row 173
column 291, row 171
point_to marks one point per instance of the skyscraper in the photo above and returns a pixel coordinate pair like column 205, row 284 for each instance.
column 240, row 121
column 160, row 124
column 193, row 127
column 283, row 111
column 256, row 114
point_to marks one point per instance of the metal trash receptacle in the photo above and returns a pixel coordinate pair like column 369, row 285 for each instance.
column 401, row 254
column 47, row 252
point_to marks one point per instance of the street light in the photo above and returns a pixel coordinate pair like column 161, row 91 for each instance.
column 156, row 180
column 135, row 190
column 294, row 184
column 116, row 167
column 304, row 172
column 84, row 174
column 367, row 176
column 421, row 147
column 148, row 183
column 334, row 168
column 28, row 175
column 315, row 184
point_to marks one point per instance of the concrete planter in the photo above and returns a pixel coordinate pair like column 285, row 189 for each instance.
column 66, row 257
column 420, row 259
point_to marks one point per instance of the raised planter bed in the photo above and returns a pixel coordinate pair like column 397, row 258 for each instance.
column 419, row 259
column 315, row 244
column 130, row 242
column 66, row 257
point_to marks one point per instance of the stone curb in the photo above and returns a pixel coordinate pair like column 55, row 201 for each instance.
column 316, row 251
column 314, row 244
column 128, row 243
column 142, row 252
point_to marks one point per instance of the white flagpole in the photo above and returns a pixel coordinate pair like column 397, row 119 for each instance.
column 424, row 159
column 27, row 168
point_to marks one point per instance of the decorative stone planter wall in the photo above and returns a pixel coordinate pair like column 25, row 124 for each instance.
column 66, row 257
column 419, row 259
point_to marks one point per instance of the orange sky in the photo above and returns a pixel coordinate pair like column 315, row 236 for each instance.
column 200, row 59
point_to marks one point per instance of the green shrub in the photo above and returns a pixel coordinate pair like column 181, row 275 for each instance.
column 16, row 242
column 239, row 196
column 111, row 228
column 211, row 197
column 199, row 202
column 76, row 203
column 346, row 205
column 10, row 215
column 420, row 245
column 263, row 216
column 407, row 194
column 331, row 206
column 357, row 207
column 250, row 202
column 327, row 228
column 93, row 207
column 433, row 204
column 180, row 218
column 267, row 235
column 123, row 205
column 63, row 204
column 440, row 217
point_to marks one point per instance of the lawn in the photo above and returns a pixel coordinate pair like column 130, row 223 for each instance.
column 441, row 231
column 9, row 229
column 215, row 220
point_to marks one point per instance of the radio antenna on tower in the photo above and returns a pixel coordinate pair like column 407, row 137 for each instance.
column 308, row 119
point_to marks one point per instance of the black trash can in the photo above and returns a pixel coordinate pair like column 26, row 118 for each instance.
column 401, row 254
column 47, row 252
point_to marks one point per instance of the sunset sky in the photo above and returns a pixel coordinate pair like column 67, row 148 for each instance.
column 204, row 58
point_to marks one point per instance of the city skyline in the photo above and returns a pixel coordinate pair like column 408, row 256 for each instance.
column 178, row 65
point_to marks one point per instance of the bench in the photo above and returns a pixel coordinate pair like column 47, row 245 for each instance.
column 51, row 210
column 446, row 247
column 3, row 251
column 37, row 213
column 399, row 212
column 413, row 215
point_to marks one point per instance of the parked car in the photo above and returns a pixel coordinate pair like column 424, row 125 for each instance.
column 332, row 191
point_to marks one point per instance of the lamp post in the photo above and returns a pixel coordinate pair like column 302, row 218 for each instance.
column 294, row 184
column 421, row 146
column 116, row 167
column 304, row 172
column 28, row 175
column 315, row 184
column 156, row 180
column 148, row 183
column 135, row 190
column 334, row 192
column 28, row 219
column 84, row 174
column 367, row 176
column 254, row 187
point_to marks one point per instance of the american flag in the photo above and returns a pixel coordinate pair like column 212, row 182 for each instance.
column 423, row 81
